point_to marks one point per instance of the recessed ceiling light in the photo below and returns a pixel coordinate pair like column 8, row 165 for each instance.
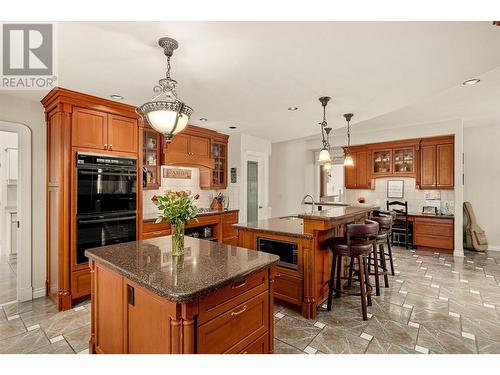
column 117, row 97
column 293, row 108
column 232, row 127
column 203, row 119
column 471, row 82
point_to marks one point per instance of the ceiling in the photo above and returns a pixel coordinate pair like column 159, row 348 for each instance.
column 247, row 74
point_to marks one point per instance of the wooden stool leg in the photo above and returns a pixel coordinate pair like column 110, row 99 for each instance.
column 384, row 265
column 389, row 249
column 351, row 270
column 376, row 264
column 362, row 287
column 338, row 285
column 367, row 282
column 330, row 283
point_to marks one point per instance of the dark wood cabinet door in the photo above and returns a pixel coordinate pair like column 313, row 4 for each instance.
column 362, row 171
column 444, row 167
column 200, row 147
column 122, row 134
column 350, row 173
column 89, row 129
column 428, row 166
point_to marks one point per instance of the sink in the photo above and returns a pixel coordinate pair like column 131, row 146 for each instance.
column 290, row 217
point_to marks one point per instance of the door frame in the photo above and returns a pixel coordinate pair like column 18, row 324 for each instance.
column 24, row 208
column 263, row 187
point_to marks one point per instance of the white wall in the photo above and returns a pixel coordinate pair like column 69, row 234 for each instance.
column 294, row 171
column 482, row 178
column 30, row 113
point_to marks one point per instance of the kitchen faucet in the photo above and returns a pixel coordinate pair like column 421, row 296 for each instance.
column 312, row 200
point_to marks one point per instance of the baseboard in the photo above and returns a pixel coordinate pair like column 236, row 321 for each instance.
column 493, row 248
column 39, row 292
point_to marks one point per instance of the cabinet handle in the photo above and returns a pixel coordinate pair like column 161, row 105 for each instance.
column 105, row 146
column 110, row 147
column 277, row 275
column 130, row 295
column 238, row 284
column 234, row 313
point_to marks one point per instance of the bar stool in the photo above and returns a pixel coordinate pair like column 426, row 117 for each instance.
column 357, row 245
column 388, row 229
column 379, row 263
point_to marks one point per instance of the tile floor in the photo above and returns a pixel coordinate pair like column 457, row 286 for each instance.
column 435, row 304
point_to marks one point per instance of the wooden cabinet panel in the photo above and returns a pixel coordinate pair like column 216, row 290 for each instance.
column 158, row 233
column 350, row 173
column 428, row 166
column 288, row 288
column 259, row 346
column 200, row 147
column 148, row 322
column 435, row 233
column 362, row 171
column 224, row 334
column 179, row 145
column 434, row 242
column 122, row 134
column 89, row 128
column 445, row 165
column 80, row 283
column 109, row 311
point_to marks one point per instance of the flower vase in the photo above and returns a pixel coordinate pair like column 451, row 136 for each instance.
column 178, row 239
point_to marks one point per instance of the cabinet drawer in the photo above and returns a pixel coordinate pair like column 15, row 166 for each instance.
column 150, row 226
column 231, row 296
column 158, row 233
column 80, row 283
column 436, row 242
column 259, row 346
column 434, row 227
column 234, row 330
column 231, row 217
column 288, row 288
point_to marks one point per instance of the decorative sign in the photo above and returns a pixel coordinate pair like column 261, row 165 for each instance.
column 433, row 195
column 233, row 175
column 395, row 189
column 184, row 174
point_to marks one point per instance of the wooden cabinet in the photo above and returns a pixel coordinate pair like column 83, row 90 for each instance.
column 217, row 177
column 77, row 123
column 437, row 163
column 358, row 176
column 433, row 233
column 229, row 233
column 151, row 158
column 128, row 318
column 191, row 147
column 382, row 162
column 103, row 131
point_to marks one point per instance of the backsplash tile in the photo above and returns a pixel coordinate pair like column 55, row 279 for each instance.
column 193, row 185
column 378, row 196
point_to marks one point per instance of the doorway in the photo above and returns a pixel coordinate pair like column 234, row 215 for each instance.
column 252, row 191
column 15, row 213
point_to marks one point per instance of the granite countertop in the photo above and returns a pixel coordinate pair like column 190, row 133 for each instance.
column 205, row 267
column 327, row 203
column 336, row 213
column 291, row 226
column 152, row 216
column 439, row 216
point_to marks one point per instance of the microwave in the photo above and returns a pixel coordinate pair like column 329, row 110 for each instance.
column 287, row 251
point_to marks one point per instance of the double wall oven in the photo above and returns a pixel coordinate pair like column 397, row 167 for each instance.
column 106, row 193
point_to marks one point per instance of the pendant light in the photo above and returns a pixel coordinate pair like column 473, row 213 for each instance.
column 348, row 161
column 324, row 154
column 165, row 112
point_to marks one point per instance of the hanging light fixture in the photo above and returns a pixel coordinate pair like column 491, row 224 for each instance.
column 324, row 154
column 165, row 113
column 348, row 161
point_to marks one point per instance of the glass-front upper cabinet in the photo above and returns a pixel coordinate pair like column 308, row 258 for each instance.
column 219, row 154
column 151, row 159
column 382, row 161
column 404, row 160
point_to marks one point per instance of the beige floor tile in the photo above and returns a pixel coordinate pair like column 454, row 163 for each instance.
column 24, row 343
column 337, row 341
column 295, row 332
column 281, row 347
column 378, row 346
column 442, row 342
column 436, row 320
column 9, row 328
column 78, row 339
column 398, row 333
column 60, row 347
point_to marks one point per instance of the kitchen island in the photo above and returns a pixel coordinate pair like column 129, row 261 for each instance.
column 214, row 299
column 305, row 263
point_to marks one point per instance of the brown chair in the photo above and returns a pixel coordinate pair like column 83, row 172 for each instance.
column 356, row 245
column 387, row 228
column 378, row 253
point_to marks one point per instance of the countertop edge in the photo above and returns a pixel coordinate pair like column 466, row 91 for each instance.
column 199, row 215
column 277, row 232
column 362, row 210
column 173, row 297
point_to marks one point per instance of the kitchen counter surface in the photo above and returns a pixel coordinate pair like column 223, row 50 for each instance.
column 205, row 267
column 336, row 213
column 420, row 214
column 291, row 226
column 154, row 216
